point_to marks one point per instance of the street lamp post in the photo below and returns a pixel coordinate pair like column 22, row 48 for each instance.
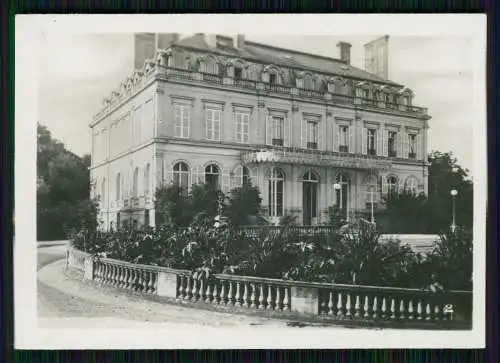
column 371, row 203
column 337, row 186
column 453, row 194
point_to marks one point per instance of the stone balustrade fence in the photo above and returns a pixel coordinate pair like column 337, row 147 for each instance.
column 345, row 304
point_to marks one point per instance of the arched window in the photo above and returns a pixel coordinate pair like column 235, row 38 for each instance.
column 135, row 186
column 103, row 190
column 392, row 184
column 212, row 176
column 241, row 175
column 181, row 176
column 310, row 177
column 411, row 185
column 118, row 186
column 276, row 181
column 238, row 70
column 147, row 179
column 271, row 75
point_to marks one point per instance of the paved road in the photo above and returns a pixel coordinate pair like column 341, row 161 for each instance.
column 66, row 302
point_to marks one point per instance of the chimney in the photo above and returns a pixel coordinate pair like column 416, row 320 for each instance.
column 165, row 40
column 211, row 40
column 144, row 48
column 377, row 57
column 345, row 52
column 239, row 41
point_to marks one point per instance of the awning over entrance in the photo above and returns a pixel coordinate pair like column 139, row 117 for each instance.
column 315, row 158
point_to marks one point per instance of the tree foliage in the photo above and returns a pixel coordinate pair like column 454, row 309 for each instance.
column 244, row 205
column 174, row 206
column 406, row 212
column 63, row 189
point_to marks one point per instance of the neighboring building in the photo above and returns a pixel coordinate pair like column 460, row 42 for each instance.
column 310, row 131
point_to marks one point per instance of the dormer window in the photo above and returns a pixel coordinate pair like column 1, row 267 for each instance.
column 238, row 72
column 272, row 78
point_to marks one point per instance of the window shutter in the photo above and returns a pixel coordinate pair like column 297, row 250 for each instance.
column 384, row 185
column 399, row 145
column 351, row 139
column 288, row 133
column 303, row 138
column 321, row 135
column 386, row 142
column 364, row 148
column 336, row 137
column 216, row 126
column 265, row 77
column 237, row 127
column 186, row 121
column 269, row 130
column 205, row 133
column 379, row 135
column 405, row 145
column 419, row 146
column 246, row 128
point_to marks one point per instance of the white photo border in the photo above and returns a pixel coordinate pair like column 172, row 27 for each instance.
column 27, row 49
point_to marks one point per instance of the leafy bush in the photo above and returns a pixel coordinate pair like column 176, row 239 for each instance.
column 244, row 205
column 354, row 255
column 451, row 260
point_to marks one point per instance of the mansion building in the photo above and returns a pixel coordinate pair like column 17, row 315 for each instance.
column 310, row 131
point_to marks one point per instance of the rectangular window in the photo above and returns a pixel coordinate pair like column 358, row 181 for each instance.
column 344, row 139
column 312, row 134
column 371, row 142
column 412, row 146
column 391, row 144
column 181, row 121
column 242, row 126
column 213, row 124
column 278, row 131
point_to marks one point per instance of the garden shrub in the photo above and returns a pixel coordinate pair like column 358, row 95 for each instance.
column 352, row 256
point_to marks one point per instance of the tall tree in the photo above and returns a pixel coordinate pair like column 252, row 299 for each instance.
column 445, row 174
column 63, row 188
column 408, row 213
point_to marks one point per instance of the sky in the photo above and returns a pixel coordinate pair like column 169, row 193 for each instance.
column 78, row 70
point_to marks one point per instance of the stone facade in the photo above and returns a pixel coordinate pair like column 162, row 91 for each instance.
column 293, row 132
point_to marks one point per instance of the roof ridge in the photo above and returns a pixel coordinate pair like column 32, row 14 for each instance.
column 295, row 51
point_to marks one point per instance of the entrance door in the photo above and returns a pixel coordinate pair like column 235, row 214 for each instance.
column 309, row 198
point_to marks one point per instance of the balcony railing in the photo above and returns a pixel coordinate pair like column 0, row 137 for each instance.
column 334, row 98
column 269, row 154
